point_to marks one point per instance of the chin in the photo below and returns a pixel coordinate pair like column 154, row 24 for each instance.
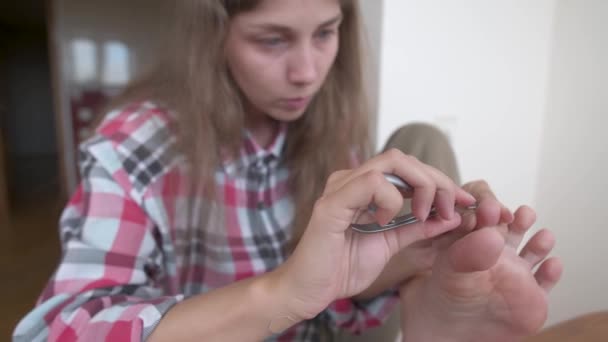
column 288, row 116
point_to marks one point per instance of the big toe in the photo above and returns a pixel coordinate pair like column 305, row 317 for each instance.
column 477, row 251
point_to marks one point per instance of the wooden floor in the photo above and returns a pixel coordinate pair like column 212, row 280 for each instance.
column 30, row 254
column 27, row 257
column 592, row 327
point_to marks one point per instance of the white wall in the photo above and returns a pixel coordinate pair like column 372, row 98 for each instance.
column 477, row 68
column 574, row 161
column 521, row 88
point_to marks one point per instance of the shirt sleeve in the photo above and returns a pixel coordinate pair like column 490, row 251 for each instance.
column 104, row 288
column 357, row 316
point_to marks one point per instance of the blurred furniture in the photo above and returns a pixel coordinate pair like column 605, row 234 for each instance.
column 96, row 48
column 592, row 327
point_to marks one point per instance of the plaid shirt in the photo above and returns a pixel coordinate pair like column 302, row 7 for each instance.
column 130, row 252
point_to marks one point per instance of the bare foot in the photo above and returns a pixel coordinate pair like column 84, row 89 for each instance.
column 482, row 289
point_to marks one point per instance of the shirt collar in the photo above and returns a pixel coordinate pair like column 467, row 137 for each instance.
column 252, row 154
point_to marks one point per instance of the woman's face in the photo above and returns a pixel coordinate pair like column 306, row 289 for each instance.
column 280, row 53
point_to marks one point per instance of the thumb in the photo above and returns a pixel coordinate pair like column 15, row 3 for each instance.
column 402, row 237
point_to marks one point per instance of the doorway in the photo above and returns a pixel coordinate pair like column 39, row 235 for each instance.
column 30, row 187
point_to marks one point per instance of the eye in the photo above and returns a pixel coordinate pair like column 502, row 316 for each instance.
column 325, row 34
column 271, row 42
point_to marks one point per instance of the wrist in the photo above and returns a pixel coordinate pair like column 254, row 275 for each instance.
column 271, row 293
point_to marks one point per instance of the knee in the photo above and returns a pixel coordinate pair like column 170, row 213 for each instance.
column 420, row 134
column 427, row 143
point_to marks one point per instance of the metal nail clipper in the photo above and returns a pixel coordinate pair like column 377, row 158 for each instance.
column 399, row 221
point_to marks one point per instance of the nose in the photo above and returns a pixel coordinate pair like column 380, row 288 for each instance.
column 302, row 68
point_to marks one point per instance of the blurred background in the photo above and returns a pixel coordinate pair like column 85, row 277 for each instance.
column 520, row 87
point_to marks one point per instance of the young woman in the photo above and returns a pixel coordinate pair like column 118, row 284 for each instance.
column 217, row 196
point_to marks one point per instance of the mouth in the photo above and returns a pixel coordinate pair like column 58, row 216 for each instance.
column 295, row 103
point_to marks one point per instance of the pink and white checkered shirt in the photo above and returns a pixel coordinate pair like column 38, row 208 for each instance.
column 129, row 250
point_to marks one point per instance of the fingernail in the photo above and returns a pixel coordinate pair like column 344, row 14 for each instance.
column 423, row 217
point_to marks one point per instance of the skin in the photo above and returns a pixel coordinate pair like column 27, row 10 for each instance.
column 279, row 58
column 463, row 276
column 479, row 287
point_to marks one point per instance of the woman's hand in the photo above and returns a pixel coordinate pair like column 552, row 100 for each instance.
column 331, row 261
column 418, row 258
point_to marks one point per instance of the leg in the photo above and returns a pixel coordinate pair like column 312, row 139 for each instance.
column 429, row 145
column 432, row 147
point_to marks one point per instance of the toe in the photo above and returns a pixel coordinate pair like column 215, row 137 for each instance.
column 488, row 213
column 538, row 247
column 523, row 219
column 477, row 251
column 549, row 273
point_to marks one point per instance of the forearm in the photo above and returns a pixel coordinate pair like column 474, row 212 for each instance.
column 248, row 310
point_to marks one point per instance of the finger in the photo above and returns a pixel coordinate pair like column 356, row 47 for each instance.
column 342, row 204
column 490, row 212
column 538, row 247
column 336, row 180
column 549, row 273
column 409, row 169
column 429, row 185
column 461, row 196
column 448, row 193
column 524, row 218
column 444, row 193
column 404, row 236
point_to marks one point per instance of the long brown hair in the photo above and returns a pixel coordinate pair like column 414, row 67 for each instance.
column 193, row 81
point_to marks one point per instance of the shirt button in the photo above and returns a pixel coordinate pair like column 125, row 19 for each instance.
column 261, row 206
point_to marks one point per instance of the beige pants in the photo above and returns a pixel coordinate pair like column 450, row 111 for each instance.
column 432, row 147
